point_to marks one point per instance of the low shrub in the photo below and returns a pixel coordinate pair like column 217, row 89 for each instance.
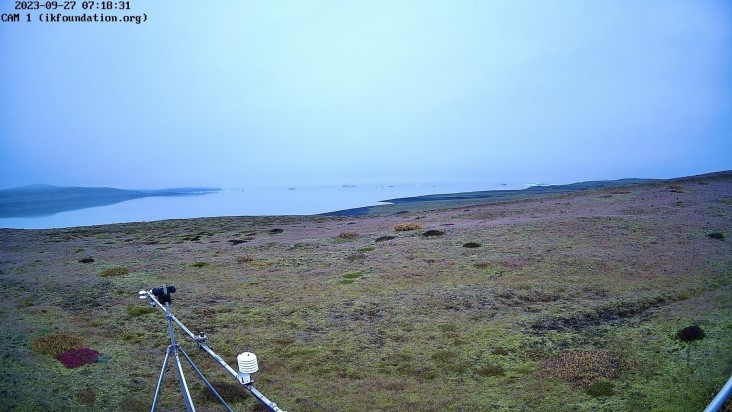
column 491, row 369
column 356, row 256
column 353, row 275
column 114, row 271
column 348, row 235
column 384, row 238
column 444, row 356
column 87, row 259
column 350, row 277
column 448, row 327
column 86, row 396
column 405, row 227
column 500, row 350
column 275, row 231
column 245, row 259
column 676, row 188
column 135, row 403
column 471, row 245
column 600, row 389
column 199, row 264
column 716, row 235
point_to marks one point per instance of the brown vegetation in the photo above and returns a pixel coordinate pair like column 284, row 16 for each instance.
column 581, row 369
column 114, row 271
column 55, row 344
column 347, row 235
column 405, row 227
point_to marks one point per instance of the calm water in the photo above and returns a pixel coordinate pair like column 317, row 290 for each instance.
column 243, row 202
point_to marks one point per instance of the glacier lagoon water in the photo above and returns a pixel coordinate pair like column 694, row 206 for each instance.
column 305, row 200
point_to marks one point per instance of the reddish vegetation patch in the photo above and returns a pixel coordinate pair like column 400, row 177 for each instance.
column 74, row 358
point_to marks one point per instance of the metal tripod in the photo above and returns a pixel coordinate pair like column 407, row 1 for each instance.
column 175, row 349
column 247, row 365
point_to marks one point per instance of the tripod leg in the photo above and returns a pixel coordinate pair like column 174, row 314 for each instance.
column 183, row 385
column 160, row 380
column 211, row 388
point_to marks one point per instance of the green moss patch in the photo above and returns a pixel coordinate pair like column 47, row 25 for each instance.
column 350, row 277
column 135, row 311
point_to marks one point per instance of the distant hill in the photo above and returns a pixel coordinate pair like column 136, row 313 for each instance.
column 495, row 194
column 45, row 200
column 427, row 202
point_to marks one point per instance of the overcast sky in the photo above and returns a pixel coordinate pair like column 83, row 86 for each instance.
column 288, row 92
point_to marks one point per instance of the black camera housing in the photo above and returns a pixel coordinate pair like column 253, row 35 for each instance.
column 163, row 293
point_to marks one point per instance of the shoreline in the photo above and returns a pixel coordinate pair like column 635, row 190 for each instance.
column 462, row 199
column 423, row 203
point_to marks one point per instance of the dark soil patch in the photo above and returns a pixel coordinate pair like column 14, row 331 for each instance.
column 690, row 333
column 275, row 231
column 88, row 259
column 236, row 241
column 716, row 235
column 471, row 245
column 609, row 313
column 384, row 238
column 433, row 233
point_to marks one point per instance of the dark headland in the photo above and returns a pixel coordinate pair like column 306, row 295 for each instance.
column 45, row 200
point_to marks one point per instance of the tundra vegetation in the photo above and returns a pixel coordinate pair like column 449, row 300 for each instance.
column 613, row 299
